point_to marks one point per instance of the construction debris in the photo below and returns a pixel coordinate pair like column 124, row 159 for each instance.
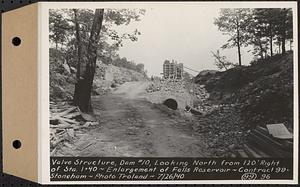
column 65, row 122
column 262, row 144
column 279, row 131
column 198, row 92
column 221, row 129
column 243, row 99
column 265, row 89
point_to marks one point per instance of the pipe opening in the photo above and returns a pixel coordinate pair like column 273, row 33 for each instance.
column 171, row 103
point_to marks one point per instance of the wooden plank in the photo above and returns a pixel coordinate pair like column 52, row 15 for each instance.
column 262, row 129
column 71, row 132
column 242, row 153
column 65, row 112
column 61, row 126
column 68, row 120
column 264, row 144
column 259, row 151
column 269, row 139
column 252, row 152
column 279, row 131
column 277, row 144
column 53, row 151
column 72, row 115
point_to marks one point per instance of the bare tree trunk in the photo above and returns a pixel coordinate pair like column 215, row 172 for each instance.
column 271, row 39
column 79, row 61
column 283, row 31
column 261, row 52
column 238, row 41
column 279, row 46
column 239, row 47
column 283, row 44
column 86, row 70
column 271, row 45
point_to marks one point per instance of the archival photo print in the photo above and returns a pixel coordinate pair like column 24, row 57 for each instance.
column 139, row 83
column 172, row 82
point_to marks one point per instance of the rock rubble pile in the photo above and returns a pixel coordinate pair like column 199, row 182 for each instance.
column 243, row 98
column 222, row 128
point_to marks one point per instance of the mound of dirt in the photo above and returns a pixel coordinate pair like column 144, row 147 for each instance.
column 264, row 90
column 242, row 98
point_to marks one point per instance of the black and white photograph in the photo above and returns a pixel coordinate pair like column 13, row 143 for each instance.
column 172, row 81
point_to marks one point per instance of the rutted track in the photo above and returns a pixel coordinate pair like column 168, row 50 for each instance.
column 132, row 126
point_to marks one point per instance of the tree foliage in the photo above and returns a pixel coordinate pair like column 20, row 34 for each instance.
column 234, row 22
column 58, row 27
column 62, row 32
column 87, row 35
column 262, row 28
column 269, row 26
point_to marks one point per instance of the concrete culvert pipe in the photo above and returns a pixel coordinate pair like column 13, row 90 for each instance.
column 171, row 103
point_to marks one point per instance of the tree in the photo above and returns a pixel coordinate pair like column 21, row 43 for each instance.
column 140, row 67
column 58, row 27
column 284, row 27
column 261, row 27
column 87, row 26
column 86, row 63
column 234, row 22
column 269, row 24
column 261, row 32
column 260, row 45
column 221, row 61
column 258, row 32
column 265, row 21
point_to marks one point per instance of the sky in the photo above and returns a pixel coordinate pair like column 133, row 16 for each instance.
column 186, row 34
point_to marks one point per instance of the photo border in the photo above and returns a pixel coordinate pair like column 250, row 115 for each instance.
column 44, row 130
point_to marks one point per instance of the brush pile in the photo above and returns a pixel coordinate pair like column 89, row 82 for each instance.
column 65, row 122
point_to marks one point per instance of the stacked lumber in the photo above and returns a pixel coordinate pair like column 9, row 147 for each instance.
column 262, row 144
column 65, row 121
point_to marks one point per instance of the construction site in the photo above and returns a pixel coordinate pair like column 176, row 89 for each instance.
column 120, row 89
column 233, row 113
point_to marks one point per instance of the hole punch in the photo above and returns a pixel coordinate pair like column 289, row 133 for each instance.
column 17, row 144
column 16, row 41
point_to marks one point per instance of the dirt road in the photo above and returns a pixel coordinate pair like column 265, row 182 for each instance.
column 133, row 127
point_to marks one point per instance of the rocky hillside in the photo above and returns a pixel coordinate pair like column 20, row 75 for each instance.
column 107, row 77
column 263, row 90
column 62, row 81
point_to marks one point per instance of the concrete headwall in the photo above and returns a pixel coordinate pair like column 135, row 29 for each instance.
column 182, row 99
